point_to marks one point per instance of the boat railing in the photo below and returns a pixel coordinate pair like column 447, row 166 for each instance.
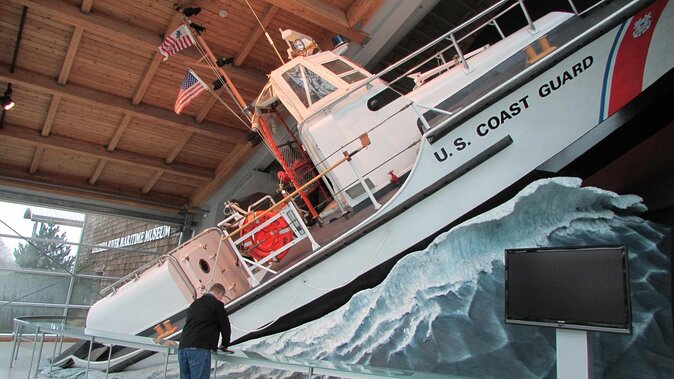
column 455, row 42
column 451, row 36
column 242, row 237
column 245, row 227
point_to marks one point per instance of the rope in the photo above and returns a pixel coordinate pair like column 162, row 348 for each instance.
column 217, row 75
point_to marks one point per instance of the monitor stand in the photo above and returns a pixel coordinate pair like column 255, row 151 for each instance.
column 573, row 354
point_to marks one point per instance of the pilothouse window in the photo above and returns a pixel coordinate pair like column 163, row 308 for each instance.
column 337, row 66
column 344, row 71
column 307, row 85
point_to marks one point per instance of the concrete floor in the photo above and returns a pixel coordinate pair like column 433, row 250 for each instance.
column 20, row 366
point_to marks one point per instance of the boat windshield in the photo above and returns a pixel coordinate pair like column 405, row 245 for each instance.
column 308, row 86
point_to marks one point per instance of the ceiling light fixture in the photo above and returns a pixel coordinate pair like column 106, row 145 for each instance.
column 224, row 61
column 6, row 100
column 192, row 11
column 217, row 83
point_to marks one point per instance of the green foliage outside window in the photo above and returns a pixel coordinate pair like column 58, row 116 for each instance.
column 45, row 252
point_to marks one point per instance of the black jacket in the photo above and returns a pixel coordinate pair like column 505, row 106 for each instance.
column 206, row 321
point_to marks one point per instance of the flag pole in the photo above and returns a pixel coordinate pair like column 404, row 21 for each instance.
column 217, row 97
column 213, row 59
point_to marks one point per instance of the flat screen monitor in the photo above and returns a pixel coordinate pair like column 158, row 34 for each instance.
column 584, row 288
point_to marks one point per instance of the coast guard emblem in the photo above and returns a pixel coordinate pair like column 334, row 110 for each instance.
column 641, row 25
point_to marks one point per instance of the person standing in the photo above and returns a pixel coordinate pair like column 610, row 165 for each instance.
column 206, row 321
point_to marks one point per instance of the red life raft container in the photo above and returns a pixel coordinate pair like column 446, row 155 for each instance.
column 268, row 239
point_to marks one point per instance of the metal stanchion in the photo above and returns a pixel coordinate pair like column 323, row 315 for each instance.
column 53, row 354
column 15, row 348
column 39, row 355
column 32, row 356
column 91, row 346
column 168, row 354
column 107, row 368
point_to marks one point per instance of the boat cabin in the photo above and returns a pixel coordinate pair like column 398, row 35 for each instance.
column 326, row 103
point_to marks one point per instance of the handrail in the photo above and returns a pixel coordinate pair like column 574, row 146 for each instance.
column 438, row 40
column 422, row 49
column 430, row 135
column 485, row 24
column 239, row 357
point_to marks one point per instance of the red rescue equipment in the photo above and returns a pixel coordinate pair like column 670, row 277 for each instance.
column 268, row 239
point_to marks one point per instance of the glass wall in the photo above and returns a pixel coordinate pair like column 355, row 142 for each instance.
column 55, row 262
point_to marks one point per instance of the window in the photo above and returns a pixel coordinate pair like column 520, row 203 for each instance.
column 307, row 85
column 337, row 66
column 353, row 77
column 344, row 71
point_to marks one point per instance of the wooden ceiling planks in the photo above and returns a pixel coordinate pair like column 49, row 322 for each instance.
column 35, row 104
column 205, row 152
column 150, row 139
column 94, row 113
column 152, row 15
column 70, row 121
column 15, row 154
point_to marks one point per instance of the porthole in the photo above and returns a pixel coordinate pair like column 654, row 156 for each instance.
column 204, row 266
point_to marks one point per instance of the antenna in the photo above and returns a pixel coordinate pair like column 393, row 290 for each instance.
column 271, row 42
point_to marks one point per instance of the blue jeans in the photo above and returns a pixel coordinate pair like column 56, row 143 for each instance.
column 194, row 363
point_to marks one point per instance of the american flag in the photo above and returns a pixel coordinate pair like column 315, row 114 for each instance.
column 180, row 39
column 192, row 86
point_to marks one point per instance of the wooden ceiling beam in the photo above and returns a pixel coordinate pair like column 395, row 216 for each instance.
column 154, row 64
column 123, row 33
column 112, row 145
column 51, row 115
column 98, row 171
column 178, row 147
column 86, row 6
column 324, row 14
column 203, row 112
column 72, row 146
column 35, row 163
column 147, row 79
column 45, row 84
column 46, row 129
column 16, row 177
column 255, row 35
column 151, row 182
column 118, row 30
column 70, row 55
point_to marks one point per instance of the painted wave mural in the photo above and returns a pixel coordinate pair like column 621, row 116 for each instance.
column 441, row 310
